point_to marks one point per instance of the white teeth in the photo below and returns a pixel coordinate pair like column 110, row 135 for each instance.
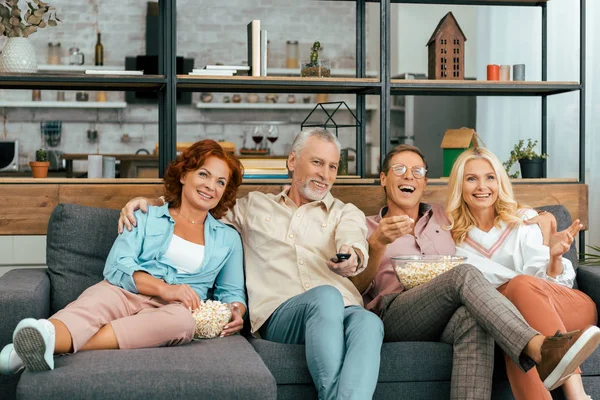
column 205, row 195
column 482, row 195
column 319, row 184
column 406, row 188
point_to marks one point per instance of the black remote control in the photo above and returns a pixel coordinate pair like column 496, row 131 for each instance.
column 342, row 256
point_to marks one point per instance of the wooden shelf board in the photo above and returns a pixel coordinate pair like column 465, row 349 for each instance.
column 78, row 68
column 74, row 81
column 520, row 3
column 350, row 72
column 63, row 104
column 268, row 106
column 480, row 88
column 274, row 84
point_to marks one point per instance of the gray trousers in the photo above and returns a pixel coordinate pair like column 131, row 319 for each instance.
column 460, row 307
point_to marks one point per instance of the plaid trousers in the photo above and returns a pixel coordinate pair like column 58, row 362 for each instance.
column 460, row 307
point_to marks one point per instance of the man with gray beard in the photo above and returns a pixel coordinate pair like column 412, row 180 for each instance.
column 298, row 287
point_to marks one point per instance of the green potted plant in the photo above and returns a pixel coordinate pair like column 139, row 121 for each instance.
column 531, row 163
column 19, row 54
column 39, row 167
column 591, row 258
column 316, row 67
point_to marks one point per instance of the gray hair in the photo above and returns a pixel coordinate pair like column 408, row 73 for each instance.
column 300, row 141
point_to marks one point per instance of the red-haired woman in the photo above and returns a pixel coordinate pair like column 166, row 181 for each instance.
column 154, row 274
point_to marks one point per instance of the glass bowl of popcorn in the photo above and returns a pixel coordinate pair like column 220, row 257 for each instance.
column 413, row 271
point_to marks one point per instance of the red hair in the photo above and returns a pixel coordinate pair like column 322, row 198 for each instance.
column 193, row 158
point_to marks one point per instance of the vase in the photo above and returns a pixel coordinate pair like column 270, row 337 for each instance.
column 39, row 169
column 18, row 55
column 533, row 168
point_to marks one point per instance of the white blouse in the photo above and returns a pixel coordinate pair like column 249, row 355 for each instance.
column 508, row 251
column 184, row 255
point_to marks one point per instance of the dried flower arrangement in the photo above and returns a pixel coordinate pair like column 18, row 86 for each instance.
column 14, row 24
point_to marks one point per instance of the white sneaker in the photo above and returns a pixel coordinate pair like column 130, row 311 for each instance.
column 10, row 362
column 34, row 343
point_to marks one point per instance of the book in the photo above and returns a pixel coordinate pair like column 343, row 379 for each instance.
column 263, row 52
column 234, row 67
column 206, row 71
column 254, row 47
column 261, row 171
column 261, row 176
column 210, row 72
column 112, row 72
column 264, row 163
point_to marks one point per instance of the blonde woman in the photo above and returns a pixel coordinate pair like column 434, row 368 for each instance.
column 487, row 226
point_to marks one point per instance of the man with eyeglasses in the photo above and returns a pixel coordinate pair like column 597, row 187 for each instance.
column 459, row 307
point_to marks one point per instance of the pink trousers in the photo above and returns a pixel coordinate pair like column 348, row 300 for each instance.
column 547, row 307
column 139, row 321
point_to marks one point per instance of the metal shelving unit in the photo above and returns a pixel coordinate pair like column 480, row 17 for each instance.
column 168, row 83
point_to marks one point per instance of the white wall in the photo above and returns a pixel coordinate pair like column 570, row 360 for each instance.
column 22, row 252
column 413, row 27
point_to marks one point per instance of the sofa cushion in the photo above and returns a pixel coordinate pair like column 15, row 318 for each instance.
column 224, row 368
column 287, row 362
column 78, row 242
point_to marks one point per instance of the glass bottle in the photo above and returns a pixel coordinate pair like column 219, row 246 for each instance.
column 99, row 51
column 291, row 54
column 54, row 53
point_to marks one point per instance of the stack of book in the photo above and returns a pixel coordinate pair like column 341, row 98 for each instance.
column 221, row 70
column 264, row 168
column 257, row 49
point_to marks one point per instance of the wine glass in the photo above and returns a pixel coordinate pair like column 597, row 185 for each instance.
column 257, row 136
column 272, row 134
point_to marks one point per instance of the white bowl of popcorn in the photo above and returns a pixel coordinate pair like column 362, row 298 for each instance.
column 210, row 318
column 413, row 271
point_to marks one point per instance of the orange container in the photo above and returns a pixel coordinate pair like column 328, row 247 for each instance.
column 493, row 72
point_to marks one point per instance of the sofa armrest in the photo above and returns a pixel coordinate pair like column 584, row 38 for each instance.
column 588, row 281
column 23, row 293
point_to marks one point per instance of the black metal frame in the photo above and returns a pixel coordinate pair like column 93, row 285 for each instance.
column 167, row 99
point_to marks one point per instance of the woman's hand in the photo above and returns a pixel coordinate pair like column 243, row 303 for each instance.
column 183, row 293
column 560, row 242
column 236, row 323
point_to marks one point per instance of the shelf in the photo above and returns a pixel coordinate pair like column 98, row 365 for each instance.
column 82, row 82
column 268, row 106
column 78, row 68
column 270, row 84
column 480, row 88
column 347, row 72
column 63, row 104
column 516, row 3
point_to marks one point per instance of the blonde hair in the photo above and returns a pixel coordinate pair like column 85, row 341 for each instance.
column 457, row 211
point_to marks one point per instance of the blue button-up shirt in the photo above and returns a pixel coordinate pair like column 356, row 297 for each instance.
column 143, row 249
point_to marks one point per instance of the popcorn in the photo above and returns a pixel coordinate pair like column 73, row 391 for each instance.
column 210, row 319
column 413, row 271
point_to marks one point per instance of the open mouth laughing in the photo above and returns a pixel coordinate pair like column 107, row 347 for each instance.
column 406, row 188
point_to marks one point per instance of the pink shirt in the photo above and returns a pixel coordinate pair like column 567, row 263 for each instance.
column 429, row 239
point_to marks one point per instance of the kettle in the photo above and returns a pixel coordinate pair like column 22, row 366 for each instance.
column 56, row 161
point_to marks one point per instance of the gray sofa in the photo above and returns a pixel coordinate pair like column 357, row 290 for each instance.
column 79, row 239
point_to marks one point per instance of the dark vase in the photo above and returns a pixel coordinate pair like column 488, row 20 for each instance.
column 533, row 168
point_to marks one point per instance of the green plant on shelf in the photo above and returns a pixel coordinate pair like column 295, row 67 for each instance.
column 314, row 54
column 522, row 152
column 41, row 155
column 13, row 23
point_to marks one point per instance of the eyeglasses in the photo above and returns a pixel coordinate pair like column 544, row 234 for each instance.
column 400, row 170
